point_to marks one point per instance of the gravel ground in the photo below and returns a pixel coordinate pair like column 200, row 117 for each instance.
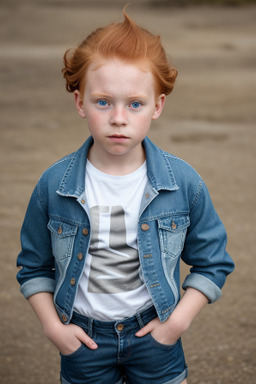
column 209, row 121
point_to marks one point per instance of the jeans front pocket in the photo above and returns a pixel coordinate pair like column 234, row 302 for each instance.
column 72, row 354
column 161, row 345
column 74, row 364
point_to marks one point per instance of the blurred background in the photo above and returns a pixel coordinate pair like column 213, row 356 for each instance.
column 209, row 120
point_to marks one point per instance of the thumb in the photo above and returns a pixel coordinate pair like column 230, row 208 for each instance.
column 145, row 330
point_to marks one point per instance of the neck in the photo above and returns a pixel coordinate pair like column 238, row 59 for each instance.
column 117, row 165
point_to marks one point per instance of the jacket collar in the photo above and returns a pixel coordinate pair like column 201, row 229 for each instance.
column 73, row 182
column 158, row 167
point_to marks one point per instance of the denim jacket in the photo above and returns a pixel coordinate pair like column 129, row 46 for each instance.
column 177, row 220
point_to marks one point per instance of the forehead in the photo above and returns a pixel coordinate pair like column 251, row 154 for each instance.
column 117, row 74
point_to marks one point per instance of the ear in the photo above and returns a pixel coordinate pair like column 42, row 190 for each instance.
column 79, row 103
column 159, row 106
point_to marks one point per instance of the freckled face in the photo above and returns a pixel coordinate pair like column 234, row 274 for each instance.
column 119, row 103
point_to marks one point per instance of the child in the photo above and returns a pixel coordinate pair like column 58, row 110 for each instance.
column 106, row 226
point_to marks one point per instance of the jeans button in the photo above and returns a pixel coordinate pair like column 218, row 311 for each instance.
column 120, row 327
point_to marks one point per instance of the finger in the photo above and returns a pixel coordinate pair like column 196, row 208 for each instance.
column 90, row 343
column 85, row 339
column 145, row 330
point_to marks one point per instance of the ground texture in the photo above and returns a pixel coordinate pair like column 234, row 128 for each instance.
column 209, row 121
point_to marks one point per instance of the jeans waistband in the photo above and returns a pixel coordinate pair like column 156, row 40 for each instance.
column 139, row 319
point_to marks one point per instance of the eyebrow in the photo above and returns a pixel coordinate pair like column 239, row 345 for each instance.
column 106, row 96
column 100, row 95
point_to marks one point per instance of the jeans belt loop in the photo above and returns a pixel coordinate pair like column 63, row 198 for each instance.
column 90, row 327
column 140, row 321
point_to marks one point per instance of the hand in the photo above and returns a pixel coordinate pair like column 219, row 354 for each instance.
column 180, row 320
column 161, row 332
column 68, row 338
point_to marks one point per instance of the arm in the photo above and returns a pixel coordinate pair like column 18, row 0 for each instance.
column 66, row 338
column 205, row 248
column 180, row 320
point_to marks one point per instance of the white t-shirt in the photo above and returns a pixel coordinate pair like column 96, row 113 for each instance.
column 110, row 287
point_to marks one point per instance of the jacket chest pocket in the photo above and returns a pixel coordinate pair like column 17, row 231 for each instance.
column 62, row 237
column 172, row 234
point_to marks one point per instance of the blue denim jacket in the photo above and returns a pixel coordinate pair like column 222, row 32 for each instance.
column 177, row 220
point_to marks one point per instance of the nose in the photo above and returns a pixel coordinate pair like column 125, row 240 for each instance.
column 118, row 116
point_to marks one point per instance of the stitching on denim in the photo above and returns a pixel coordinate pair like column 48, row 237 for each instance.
column 69, row 221
column 154, row 285
column 168, row 309
column 66, row 158
column 163, row 214
column 165, row 156
column 40, row 199
column 67, row 173
column 199, row 190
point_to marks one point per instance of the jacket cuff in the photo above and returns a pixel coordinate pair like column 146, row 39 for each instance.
column 204, row 285
column 36, row 285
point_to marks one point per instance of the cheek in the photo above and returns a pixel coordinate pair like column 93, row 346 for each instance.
column 94, row 121
column 143, row 123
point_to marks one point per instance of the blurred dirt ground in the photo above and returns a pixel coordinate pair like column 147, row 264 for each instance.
column 209, row 120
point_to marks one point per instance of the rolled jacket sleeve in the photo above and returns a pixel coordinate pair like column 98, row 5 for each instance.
column 205, row 248
column 35, row 260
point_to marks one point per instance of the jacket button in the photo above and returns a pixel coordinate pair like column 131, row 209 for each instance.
column 147, row 195
column 73, row 281
column 64, row 318
column 174, row 226
column 80, row 256
column 60, row 230
column 145, row 227
column 85, row 231
column 83, row 201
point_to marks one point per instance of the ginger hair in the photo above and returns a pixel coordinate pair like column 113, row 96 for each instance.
column 126, row 41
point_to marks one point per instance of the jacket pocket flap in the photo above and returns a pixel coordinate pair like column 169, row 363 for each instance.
column 61, row 229
column 174, row 223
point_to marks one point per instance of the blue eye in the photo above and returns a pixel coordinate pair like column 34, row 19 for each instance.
column 136, row 104
column 102, row 103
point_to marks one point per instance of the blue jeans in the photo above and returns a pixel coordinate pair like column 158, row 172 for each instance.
column 121, row 356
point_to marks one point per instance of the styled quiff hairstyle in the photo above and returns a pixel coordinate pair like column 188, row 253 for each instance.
column 126, row 41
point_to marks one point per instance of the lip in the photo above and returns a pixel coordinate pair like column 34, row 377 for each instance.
column 118, row 138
